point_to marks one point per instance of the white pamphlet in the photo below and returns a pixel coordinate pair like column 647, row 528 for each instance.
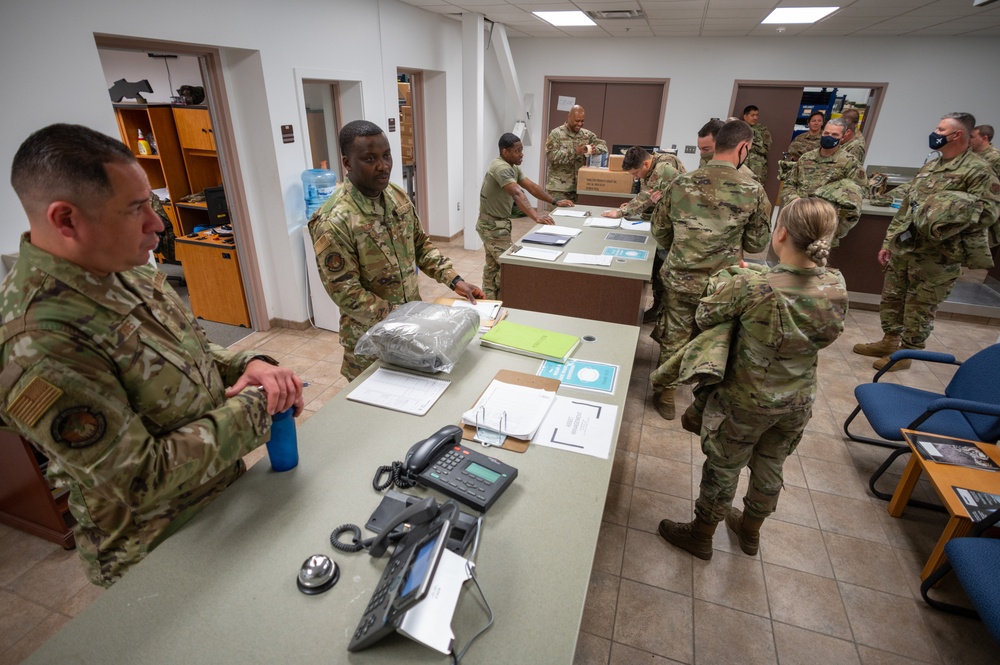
column 537, row 253
column 399, row 391
column 555, row 230
column 588, row 259
column 579, row 426
column 637, row 225
column 603, row 222
column 568, row 212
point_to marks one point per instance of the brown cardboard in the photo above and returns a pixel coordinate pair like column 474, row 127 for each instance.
column 603, row 180
column 615, row 162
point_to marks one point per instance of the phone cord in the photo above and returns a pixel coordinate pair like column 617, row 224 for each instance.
column 398, row 476
column 356, row 544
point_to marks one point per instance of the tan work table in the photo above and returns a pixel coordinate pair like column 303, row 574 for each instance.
column 222, row 589
column 605, row 293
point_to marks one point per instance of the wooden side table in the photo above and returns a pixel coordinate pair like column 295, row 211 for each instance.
column 26, row 501
column 212, row 270
column 944, row 478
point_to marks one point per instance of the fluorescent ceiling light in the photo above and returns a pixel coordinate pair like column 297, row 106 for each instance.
column 798, row 14
column 563, row 19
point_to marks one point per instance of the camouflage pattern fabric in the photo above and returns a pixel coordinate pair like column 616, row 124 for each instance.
column 664, row 168
column 166, row 246
column 846, row 196
column 802, row 144
column 563, row 162
column 113, row 379
column 495, row 234
column 493, row 224
column 839, row 177
column 757, row 159
column 919, row 276
column 757, row 414
column 856, row 149
column 368, row 252
column 992, row 157
column 705, row 222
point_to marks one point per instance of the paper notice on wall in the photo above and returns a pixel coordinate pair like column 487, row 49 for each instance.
column 565, row 103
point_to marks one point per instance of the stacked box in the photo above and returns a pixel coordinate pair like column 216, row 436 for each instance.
column 603, row 180
column 406, row 131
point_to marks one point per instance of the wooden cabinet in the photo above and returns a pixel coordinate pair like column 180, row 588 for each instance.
column 197, row 141
column 212, row 271
column 26, row 501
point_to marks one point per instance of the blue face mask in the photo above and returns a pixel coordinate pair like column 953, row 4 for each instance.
column 828, row 142
column 937, row 141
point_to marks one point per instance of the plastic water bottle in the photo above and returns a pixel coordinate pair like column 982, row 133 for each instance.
column 317, row 186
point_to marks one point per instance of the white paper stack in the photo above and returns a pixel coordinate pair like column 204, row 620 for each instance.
column 556, row 230
column 512, row 410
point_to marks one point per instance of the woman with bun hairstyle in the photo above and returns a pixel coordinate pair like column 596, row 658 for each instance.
column 757, row 413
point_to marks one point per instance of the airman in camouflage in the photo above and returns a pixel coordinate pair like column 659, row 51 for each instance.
column 501, row 189
column 566, row 149
column 919, row 275
column 705, row 222
column 706, row 146
column 105, row 370
column 981, row 142
column 757, row 159
column 369, row 243
column 809, row 140
column 826, row 165
column 655, row 173
column 756, row 416
column 854, row 141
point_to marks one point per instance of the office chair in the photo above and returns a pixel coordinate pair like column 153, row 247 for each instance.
column 968, row 409
column 976, row 562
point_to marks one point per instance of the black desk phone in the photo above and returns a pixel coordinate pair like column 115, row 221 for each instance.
column 441, row 462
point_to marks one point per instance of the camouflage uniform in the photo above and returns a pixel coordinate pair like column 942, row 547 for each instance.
column 494, row 225
column 919, row 276
column 992, row 157
column 560, row 152
column 703, row 222
column 757, row 159
column 368, row 253
column 112, row 378
column 802, row 144
column 755, row 417
column 856, row 148
column 664, row 168
column 814, row 171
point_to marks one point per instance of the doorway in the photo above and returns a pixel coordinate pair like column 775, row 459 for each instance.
column 412, row 138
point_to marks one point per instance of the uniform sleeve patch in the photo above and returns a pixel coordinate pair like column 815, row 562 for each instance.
column 78, row 427
column 32, row 402
column 322, row 243
column 334, row 262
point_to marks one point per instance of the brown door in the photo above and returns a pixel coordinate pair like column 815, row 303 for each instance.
column 779, row 107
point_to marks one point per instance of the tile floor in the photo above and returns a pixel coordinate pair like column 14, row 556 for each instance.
column 836, row 580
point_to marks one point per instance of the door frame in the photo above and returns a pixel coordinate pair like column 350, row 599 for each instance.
column 419, row 140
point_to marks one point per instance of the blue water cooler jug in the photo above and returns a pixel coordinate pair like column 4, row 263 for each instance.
column 317, row 186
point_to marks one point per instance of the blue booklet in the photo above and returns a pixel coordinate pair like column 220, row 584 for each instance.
column 582, row 374
column 622, row 253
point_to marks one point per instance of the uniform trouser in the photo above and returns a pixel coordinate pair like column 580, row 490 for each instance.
column 914, row 286
column 731, row 439
column 495, row 233
column 676, row 325
column 658, row 288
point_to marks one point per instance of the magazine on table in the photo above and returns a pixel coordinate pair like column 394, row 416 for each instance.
column 945, row 450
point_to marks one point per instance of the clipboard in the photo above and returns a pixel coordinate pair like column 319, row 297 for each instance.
column 517, row 379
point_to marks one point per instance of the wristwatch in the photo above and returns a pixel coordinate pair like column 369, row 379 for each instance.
column 458, row 278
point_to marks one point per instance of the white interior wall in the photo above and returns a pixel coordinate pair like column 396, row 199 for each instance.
column 134, row 66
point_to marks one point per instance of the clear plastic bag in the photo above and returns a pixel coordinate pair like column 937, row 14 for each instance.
column 421, row 336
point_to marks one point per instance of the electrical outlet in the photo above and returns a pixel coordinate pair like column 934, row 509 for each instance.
column 689, row 150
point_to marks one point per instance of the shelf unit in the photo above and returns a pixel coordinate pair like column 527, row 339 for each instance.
column 26, row 500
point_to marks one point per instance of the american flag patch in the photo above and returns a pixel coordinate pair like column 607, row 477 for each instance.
column 32, row 402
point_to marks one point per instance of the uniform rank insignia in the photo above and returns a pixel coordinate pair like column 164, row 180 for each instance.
column 334, row 262
column 32, row 402
column 78, row 427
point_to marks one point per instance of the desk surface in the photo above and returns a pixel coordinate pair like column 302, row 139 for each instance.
column 592, row 241
column 223, row 588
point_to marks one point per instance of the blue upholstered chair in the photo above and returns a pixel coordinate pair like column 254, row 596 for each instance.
column 968, row 409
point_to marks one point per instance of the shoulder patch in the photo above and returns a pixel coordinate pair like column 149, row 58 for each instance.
column 321, row 243
column 33, row 401
column 78, row 427
column 334, row 262
column 127, row 327
column 159, row 279
column 404, row 208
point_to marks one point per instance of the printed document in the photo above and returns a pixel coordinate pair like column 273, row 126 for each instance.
column 556, row 230
column 602, row 222
column 588, row 259
column 513, row 410
column 579, row 426
column 536, row 253
column 399, row 391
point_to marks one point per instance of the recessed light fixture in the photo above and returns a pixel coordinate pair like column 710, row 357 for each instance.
column 563, row 19
column 798, row 14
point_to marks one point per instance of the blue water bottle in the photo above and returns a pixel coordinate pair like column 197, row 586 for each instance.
column 317, row 186
column 283, row 448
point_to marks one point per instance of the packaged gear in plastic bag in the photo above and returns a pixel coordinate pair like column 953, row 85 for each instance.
column 421, row 336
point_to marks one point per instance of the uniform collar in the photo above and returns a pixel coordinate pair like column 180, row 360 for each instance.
column 721, row 162
column 796, row 270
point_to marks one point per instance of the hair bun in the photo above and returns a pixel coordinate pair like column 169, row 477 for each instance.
column 818, row 251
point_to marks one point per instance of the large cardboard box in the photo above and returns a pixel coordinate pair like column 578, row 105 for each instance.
column 615, row 162
column 603, row 180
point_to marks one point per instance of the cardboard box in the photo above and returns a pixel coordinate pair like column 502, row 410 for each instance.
column 403, row 90
column 615, row 162
column 603, row 180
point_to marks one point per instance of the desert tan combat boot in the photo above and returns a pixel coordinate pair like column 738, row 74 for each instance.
column 664, row 403
column 747, row 530
column 694, row 537
column 883, row 347
column 900, row 364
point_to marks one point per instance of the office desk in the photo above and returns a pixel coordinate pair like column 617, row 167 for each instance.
column 223, row 588
column 612, row 293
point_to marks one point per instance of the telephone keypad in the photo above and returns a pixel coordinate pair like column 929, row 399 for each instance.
column 450, row 473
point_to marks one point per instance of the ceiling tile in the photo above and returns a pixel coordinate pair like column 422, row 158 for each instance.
column 665, row 10
column 613, row 5
column 630, row 32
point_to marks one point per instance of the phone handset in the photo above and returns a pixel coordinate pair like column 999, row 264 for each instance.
column 423, row 452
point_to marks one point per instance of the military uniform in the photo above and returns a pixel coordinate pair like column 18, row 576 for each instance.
column 368, row 252
column 919, row 275
column 493, row 225
column 112, row 378
column 755, row 417
column 992, row 157
column 802, row 144
column 664, row 168
column 856, row 148
column 813, row 171
column 703, row 222
column 560, row 152
column 757, row 159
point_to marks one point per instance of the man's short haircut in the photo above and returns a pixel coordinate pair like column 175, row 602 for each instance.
column 710, row 128
column 353, row 130
column 840, row 122
column 749, row 108
column 987, row 131
column 731, row 135
column 853, row 115
column 634, row 157
column 967, row 120
column 507, row 140
column 64, row 162
column 817, row 113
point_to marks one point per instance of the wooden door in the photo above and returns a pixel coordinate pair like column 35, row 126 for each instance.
column 194, row 128
column 779, row 107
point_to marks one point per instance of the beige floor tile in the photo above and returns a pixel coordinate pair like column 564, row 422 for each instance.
column 591, row 650
column 721, row 632
column 960, row 639
column 807, row 601
column 622, row 654
column 851, row 517
column 734, row 581
column 17, row 618
column 870, row 656
column 651, row 560
column 839, row 479
column 666, row 443
column 618, row 503
column 888, row 622
column 795, row 505
column 623, row 467
column 648, row 508
column 629, row 436
column 20, row 551
column 610, row 548
column 663, row 475
column 599, row 607
column 797, row 646
column 826, row 447
column 655, row 620
column 794, row 546
column 34, row 638
column 53, row 580
column 867, row 564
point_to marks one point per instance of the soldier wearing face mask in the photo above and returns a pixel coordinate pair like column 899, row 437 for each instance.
column 948, row 218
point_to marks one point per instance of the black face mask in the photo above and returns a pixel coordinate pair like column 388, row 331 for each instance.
column 828, row 142
column 743, row 160
column 937, row 141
